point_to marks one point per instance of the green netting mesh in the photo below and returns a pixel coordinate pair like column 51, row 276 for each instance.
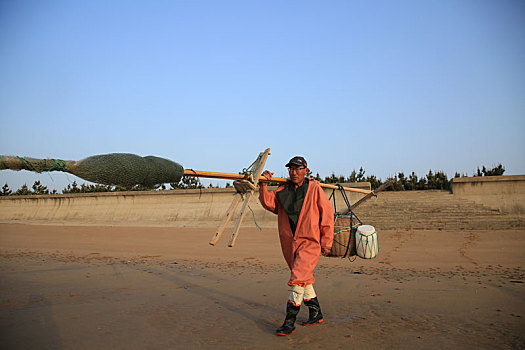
column 127, row 170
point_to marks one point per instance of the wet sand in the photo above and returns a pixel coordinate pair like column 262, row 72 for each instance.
column 151, row 288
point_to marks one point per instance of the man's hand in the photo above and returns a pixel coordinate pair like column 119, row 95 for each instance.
column 325, row 251
column 267, row 175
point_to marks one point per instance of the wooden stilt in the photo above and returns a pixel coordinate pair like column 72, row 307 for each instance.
column 236, row 200
column 258, row 167
column 233, row 237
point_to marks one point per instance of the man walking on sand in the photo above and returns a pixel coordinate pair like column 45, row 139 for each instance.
column 306, row 229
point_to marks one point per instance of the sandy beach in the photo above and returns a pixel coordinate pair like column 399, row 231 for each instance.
column 65, row 287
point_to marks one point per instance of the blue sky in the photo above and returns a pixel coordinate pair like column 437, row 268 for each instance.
column 390, row 86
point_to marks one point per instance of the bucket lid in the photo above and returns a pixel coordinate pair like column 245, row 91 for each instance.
column 366, row 229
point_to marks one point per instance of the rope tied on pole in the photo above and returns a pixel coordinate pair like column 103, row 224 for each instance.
column 38, row 165
column 248, row 183
column 59, row 165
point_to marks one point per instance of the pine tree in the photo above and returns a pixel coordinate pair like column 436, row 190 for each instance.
column 186, row 182
column 23, row 191
column 72, row 188
column 6, row 191
column 38, row 188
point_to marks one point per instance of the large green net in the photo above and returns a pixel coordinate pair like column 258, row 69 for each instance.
column 127, row 170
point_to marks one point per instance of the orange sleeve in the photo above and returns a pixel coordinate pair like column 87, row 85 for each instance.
column 326, row 224
column 268, row 199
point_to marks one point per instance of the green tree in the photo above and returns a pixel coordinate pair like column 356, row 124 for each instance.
column 441, row 181
column 397, row 185
column 361, row 175
column 72, row 188
column 38, row 188
column 498, row 170
column 374, row 181
column 401, row 181
column 84, row 188
column 23, row 191
column 411, row 183
column 186, row 182
column 352, row 177
column 333, row 179
column 6, row 191
column 330, row 179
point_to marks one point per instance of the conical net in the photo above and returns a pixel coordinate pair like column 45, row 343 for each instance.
column 127, row 170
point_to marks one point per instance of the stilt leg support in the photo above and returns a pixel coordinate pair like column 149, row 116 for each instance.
column 229, row 214
column 258, row 167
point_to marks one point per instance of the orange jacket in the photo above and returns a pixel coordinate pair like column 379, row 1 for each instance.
column 315, row 229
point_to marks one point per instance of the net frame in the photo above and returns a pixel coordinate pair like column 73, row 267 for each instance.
column 345, row 228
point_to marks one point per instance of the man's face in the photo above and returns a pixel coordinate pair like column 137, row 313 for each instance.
column 297, row 174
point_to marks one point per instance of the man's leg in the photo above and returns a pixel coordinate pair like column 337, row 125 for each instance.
column 292, row 309
column 314, row 310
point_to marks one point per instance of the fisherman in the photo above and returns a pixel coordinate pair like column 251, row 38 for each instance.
column 306, row 229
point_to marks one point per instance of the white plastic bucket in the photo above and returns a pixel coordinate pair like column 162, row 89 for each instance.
column 366, row 242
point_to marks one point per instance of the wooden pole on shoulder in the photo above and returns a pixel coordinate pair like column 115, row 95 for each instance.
column 230, row 176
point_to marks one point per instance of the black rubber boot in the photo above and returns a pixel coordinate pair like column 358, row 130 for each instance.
column 288, row 326
column 314, row 312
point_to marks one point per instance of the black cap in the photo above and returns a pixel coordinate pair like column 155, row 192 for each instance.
column 297, row 161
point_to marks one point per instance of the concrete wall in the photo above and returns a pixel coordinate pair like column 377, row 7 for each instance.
column 506, row 193
column 178, row 208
